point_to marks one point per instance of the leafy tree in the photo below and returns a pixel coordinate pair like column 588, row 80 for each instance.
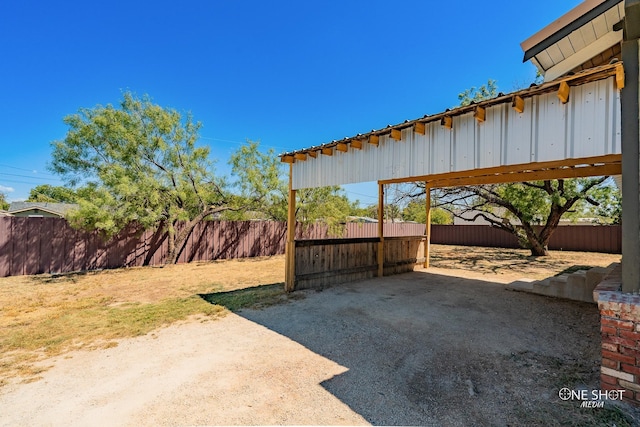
column 370, row 211
column 51, row 193
column 526, row 205
column 609, row 207
column 4, row 205
column 486, row 91
column 144, row 166
column 416, row 211
column 328, row 205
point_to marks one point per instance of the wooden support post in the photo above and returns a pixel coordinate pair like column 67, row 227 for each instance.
column 381, row 230
column 342, row 147
column 396, row 134
column 374, row 139
column 480, row 114
column 427, row 242
column 419, row 128
column 290, row 257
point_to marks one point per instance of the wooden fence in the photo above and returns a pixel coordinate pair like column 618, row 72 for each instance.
column 50, row 245
column 584, row 238
column 324, row 262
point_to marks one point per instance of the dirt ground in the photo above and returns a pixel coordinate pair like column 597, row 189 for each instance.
column 445, row 347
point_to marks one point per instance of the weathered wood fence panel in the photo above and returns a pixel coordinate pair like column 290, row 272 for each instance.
column 324, row 262
column 401, row 254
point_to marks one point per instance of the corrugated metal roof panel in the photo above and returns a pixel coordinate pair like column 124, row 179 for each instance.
column 587, row 126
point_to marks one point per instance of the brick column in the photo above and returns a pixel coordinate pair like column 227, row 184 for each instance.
column 620, row 328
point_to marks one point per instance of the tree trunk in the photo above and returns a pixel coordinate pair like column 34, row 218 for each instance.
column 538, row 248
column 178, row 241
column 171, row 235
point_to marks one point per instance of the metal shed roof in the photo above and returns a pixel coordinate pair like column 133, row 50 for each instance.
column 576, row 117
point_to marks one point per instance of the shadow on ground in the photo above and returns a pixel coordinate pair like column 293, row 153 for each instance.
column 427, row 349
column 254, row 297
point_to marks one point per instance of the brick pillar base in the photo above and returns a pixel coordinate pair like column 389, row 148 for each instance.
column 620, row 328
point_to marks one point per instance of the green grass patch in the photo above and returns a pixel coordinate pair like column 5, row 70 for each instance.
column 254, row 297
column 575, row 268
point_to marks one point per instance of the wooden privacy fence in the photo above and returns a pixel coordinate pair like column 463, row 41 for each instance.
column 584, row 238
column 50, row 245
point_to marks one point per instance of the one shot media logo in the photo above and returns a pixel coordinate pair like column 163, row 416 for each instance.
column 590, row 398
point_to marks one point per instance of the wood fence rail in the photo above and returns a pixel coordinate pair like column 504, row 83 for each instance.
column 50, row 245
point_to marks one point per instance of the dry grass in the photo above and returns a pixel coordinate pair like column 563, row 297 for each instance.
column 507, row 265
column 47, row 315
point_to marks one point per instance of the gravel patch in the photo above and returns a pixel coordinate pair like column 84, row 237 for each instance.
column 414, row 349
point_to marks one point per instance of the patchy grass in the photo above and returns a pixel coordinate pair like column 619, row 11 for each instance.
column 47, row 315
column 573, row 269
column 254, row 297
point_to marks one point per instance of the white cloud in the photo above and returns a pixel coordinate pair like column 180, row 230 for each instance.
column 6, row 189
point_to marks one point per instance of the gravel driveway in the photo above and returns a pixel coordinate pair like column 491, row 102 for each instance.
column 414, row 349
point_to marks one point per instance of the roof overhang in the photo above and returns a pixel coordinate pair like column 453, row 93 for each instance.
column 526, row 135
column 372, row 137
column 575, row 38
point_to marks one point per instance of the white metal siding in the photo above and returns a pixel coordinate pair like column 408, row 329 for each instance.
column 588, row 125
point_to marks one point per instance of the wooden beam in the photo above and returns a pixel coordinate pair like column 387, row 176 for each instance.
column 287, row 159
column 356, row 143
column 327, row 151
column 300, row 156
column 427, row 242
column 619, row 75
column 419, row 127
column 374, row 139
column 532, row 175
column 342, row 147
column 563, row 92
column 313, row 154
column 518, row 104
column 396, row 134
column 381, row 230
column 447, row 121
column 290, row 249
column 480, row 114
column 608, row 158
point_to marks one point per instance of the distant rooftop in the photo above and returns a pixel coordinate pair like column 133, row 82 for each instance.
column 54, row 208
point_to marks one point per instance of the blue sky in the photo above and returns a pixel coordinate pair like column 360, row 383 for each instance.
column 290, row 74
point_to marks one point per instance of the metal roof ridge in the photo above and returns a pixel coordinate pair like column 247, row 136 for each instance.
column 588, row 75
